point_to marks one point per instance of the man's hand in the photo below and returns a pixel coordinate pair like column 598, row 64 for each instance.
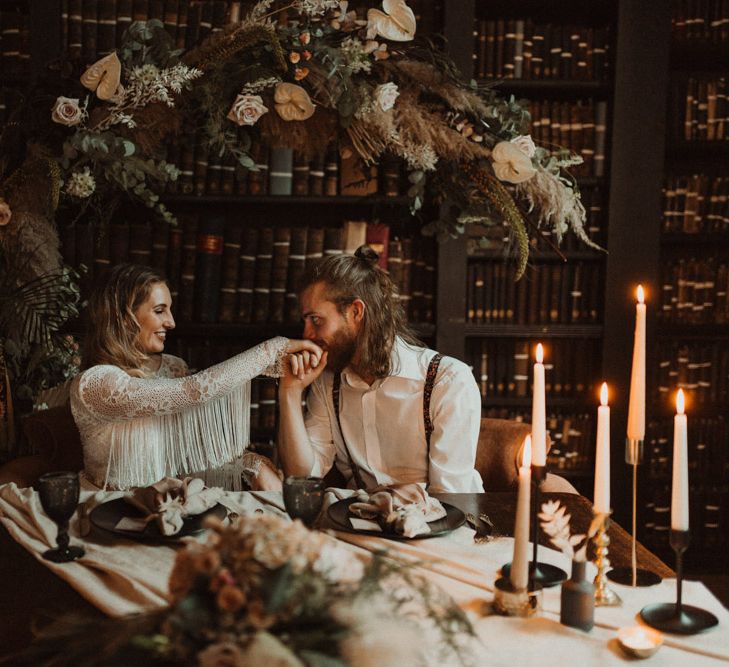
column 303, row 368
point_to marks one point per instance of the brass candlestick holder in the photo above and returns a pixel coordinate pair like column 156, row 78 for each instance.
column 604, row 595
column 633, row 575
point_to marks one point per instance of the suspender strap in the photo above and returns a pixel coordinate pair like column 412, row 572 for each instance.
column 429, row 382
column 337, row 383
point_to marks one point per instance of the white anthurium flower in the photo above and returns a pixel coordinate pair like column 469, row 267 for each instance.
column 511, row 164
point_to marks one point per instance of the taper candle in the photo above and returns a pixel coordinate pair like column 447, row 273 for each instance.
column 602, row 454
column 539, row 411
column 679, row 489
column 519, row 573
column 636, row 406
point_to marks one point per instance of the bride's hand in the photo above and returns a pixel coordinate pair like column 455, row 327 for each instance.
column 305, row 347
column 302, row 369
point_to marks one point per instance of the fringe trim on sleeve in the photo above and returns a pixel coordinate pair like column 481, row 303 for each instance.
column 207, row 437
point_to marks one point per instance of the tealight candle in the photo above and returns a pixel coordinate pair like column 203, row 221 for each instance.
column 640, row 641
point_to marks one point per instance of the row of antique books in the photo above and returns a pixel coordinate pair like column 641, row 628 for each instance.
column 502, row 367
column 548, row 293
column 14, row 43
column 700, row 21
column 696, row 204
column 92, row 28
column 578, row 126
column 695, row 291
column 572, row 435
column 231, row 272
column 708, row 453
column 279, row 171
column 708, row 517
column 708, row 460
column 523, row 49
column 700, row 368
column 702, row 109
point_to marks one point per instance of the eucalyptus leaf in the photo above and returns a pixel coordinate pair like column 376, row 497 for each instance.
column 129, row 148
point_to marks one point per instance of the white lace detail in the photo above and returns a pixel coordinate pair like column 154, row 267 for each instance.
column 136, row 431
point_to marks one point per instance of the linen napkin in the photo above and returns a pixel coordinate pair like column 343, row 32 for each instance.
column 404, row 508
column 170, row 500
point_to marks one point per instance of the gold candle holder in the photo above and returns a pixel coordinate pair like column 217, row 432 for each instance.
column 510, row 601
column 604, row 595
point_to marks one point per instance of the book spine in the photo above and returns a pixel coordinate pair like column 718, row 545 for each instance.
column 300, row 184
column 174, row 260
column 160, row 247
column 187, row 267
column 314, row 247
column 316, row 176
column 281, row 251
column 208, row 267
column 331, row 171
column 229, row 272
column 140, row 244
column 123, row 20
column 262, row 281
column 281, row 171
column 296, row 268
column 89, row 30
column 106, row 34
column 246, row 274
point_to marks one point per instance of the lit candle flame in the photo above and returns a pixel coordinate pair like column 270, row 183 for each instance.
column 526, row 455
column 641, row 296
column 540, row 353
column 604, row 394
column 680, row 402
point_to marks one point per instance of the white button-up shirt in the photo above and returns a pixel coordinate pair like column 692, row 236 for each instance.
column 385, row 429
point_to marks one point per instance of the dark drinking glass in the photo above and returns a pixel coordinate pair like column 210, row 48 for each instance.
column 58, row 493
column 303, row 497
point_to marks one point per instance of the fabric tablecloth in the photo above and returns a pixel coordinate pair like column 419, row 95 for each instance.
column 121, row 576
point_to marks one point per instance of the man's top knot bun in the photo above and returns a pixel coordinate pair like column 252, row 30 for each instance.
column 366, row 253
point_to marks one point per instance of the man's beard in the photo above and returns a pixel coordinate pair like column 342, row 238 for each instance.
column 341, row 350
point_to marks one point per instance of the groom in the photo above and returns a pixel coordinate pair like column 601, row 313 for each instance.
column 380, row 406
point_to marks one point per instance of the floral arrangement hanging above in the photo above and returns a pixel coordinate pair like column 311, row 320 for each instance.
column 301, row 76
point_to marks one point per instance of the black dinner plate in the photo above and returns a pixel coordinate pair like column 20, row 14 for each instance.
column 107, row 515
column 339, row 514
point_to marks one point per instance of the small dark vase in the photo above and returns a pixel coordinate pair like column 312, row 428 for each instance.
column 577, row 608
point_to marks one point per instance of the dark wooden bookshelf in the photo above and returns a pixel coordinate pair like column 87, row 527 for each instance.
column 285, row 200
column 694, row 331
column 707, row 240
column 534, row 330
column 220, row 330
column 551, row 87
column 546, row 255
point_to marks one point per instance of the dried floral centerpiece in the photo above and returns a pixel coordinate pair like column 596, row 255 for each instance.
column 267, row 591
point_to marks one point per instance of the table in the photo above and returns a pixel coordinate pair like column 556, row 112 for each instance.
column 30, row 587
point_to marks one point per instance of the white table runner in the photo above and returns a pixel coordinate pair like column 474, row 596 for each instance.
column 120, row 576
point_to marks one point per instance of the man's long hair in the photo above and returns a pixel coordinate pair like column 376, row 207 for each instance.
column 112, row 332
column 350, row 277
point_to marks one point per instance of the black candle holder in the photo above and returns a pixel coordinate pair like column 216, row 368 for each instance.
column 540, row 574
column 678, row 618
column 634, row 576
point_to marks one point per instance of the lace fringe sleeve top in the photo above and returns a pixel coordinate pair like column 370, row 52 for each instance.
column 135, row 431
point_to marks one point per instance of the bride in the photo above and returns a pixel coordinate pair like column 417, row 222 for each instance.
column 143, row 417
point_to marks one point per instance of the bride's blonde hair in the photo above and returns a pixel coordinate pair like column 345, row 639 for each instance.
column 112, row 335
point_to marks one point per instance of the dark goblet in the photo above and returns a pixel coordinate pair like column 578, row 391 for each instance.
column 303, row 497
column 58, row 493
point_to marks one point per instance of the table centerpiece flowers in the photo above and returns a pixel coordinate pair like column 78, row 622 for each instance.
column 264, row 590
